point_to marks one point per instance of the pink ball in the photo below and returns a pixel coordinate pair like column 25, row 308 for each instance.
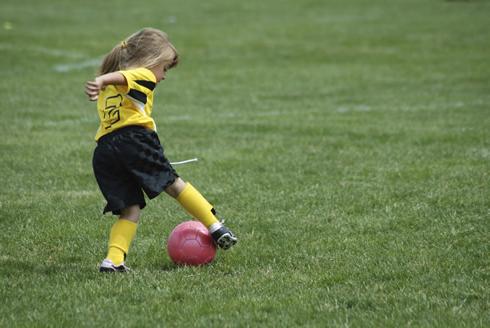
column 191, row 244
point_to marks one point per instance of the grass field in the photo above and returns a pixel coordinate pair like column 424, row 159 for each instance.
column 347, row 143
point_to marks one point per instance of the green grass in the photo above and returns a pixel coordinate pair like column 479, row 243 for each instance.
column 346, row 142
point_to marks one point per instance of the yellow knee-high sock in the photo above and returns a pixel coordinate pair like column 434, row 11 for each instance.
column 120, row 238
column 197, row 205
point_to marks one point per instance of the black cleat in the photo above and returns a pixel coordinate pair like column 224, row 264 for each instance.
column 223, row 237
column 108, row 266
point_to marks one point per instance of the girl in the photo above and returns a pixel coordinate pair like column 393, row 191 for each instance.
column 129, row 158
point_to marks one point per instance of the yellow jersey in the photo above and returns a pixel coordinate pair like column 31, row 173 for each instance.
column 120, row 105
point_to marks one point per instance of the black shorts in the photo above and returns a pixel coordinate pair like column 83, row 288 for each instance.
column 127, row 162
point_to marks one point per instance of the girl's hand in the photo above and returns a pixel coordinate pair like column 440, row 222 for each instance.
column 93, row 88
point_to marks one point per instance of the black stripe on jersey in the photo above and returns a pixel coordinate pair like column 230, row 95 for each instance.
column 138, row 95
column 147, row 84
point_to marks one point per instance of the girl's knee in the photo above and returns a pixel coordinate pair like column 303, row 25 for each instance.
column 131, row 213
column 175, row 188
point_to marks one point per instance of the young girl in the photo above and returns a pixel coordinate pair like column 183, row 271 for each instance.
column 129, row 158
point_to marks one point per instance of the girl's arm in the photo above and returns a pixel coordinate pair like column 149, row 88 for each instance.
column 93, row 88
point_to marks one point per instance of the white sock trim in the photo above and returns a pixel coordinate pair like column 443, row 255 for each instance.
column 214, row 227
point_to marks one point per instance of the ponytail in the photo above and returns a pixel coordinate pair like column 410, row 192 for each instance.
column 112, row 61
column 146, row 48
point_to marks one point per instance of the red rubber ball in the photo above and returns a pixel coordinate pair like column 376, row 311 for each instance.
column 190, row 243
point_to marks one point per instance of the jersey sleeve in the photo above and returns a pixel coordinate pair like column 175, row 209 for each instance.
column 141, row 82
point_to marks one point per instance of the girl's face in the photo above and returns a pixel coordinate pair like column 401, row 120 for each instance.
column 160, row 71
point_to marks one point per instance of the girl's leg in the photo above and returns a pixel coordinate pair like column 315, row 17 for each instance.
column 131, row 213
column 199, row 208
column 176, row 188
column 193, row 202
column 122, row 234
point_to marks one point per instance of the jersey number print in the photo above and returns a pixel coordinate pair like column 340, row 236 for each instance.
column 111, row 110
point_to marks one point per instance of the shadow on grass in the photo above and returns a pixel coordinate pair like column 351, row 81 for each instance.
column 15, row 267
column 169, row 266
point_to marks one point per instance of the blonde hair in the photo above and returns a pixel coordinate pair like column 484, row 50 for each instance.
column 148, row 48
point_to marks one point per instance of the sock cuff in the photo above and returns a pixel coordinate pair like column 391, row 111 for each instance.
column 188, row 188
column 122, row 222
